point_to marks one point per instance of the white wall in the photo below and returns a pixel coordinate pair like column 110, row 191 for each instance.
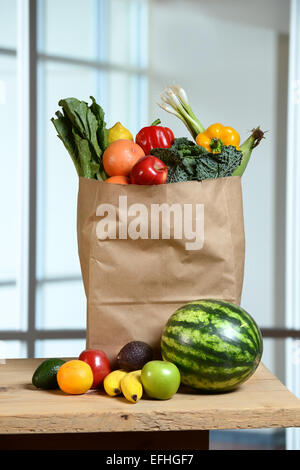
column 233, row 66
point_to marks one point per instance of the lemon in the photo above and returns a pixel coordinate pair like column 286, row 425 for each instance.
column 118, row 132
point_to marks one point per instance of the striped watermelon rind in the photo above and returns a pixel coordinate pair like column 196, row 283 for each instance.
column 216, row 345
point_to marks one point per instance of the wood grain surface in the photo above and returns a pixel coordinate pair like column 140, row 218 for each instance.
column 262, row 402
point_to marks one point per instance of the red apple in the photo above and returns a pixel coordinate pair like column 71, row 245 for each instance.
column 99, row 363
column 149, row 170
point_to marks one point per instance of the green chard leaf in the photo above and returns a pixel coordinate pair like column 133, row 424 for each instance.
column 101, row 175
column 83, row 132
column 63, row 127
column 102, row 132
column 84, row 121
column 89, row 167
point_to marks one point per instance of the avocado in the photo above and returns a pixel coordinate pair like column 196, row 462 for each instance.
column 134, row 355
column 45, row 375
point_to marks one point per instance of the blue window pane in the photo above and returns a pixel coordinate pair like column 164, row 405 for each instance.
column 66, row 28
column 9, row 312
column 61, row 305
column 59, row 348
column 126, row 34
column 125, row 101
column 12, row 349
column 8, row 24
column 9, row 167
column 57, row 177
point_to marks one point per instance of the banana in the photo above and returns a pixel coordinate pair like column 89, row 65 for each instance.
column 112, row 382
column 131, row 386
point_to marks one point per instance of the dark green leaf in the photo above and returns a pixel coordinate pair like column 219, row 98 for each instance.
column 102, row 132
column 83, row 120
column 83, row 132
column 228, row 160
column 89, row 167
column 64, row 130
column 177, row 175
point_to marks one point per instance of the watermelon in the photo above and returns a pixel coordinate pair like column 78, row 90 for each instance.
column 216, row 345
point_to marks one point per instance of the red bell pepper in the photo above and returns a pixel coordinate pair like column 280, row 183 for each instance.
column 154, row 136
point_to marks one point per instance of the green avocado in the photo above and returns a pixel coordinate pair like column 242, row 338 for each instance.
column 134, row 355
column 45, row 375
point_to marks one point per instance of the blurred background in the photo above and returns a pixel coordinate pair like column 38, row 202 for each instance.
column 238, row 61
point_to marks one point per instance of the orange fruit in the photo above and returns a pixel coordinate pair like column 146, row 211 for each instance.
column 75, row 377
column 118, row 180
column 121, row 156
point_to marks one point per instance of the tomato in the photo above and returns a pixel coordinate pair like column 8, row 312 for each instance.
column 149, row 170
column 75, row 377
column 99, row 363
column 120, row 157
column 118, row 180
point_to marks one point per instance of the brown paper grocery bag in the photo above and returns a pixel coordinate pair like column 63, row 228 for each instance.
column 147, row 250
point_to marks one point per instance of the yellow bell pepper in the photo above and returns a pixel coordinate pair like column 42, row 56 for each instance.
column 217, row 135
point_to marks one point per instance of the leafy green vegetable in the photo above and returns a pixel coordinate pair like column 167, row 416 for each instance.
column 102, row 131
column 83, row 132
column 64, row 131
column 187, row 161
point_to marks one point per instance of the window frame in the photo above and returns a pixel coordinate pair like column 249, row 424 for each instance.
column 292, row 266
column 29, row 58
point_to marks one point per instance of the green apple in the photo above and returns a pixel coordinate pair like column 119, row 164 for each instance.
column 160, row 379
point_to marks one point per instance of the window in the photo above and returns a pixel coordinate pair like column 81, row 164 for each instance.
column 81, row 48
column 11, row 319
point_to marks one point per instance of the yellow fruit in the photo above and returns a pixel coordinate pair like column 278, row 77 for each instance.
column 131, row 386
column 112, row 382
column 203, row 140
column 118, row 132
column 75, row 377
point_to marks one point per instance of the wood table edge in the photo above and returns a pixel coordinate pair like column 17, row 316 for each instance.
column 156, row 420
column 150, row 421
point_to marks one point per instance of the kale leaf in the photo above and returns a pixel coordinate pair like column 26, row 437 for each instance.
column 187, row 161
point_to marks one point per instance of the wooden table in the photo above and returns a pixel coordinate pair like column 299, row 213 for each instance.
column 33, row 419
